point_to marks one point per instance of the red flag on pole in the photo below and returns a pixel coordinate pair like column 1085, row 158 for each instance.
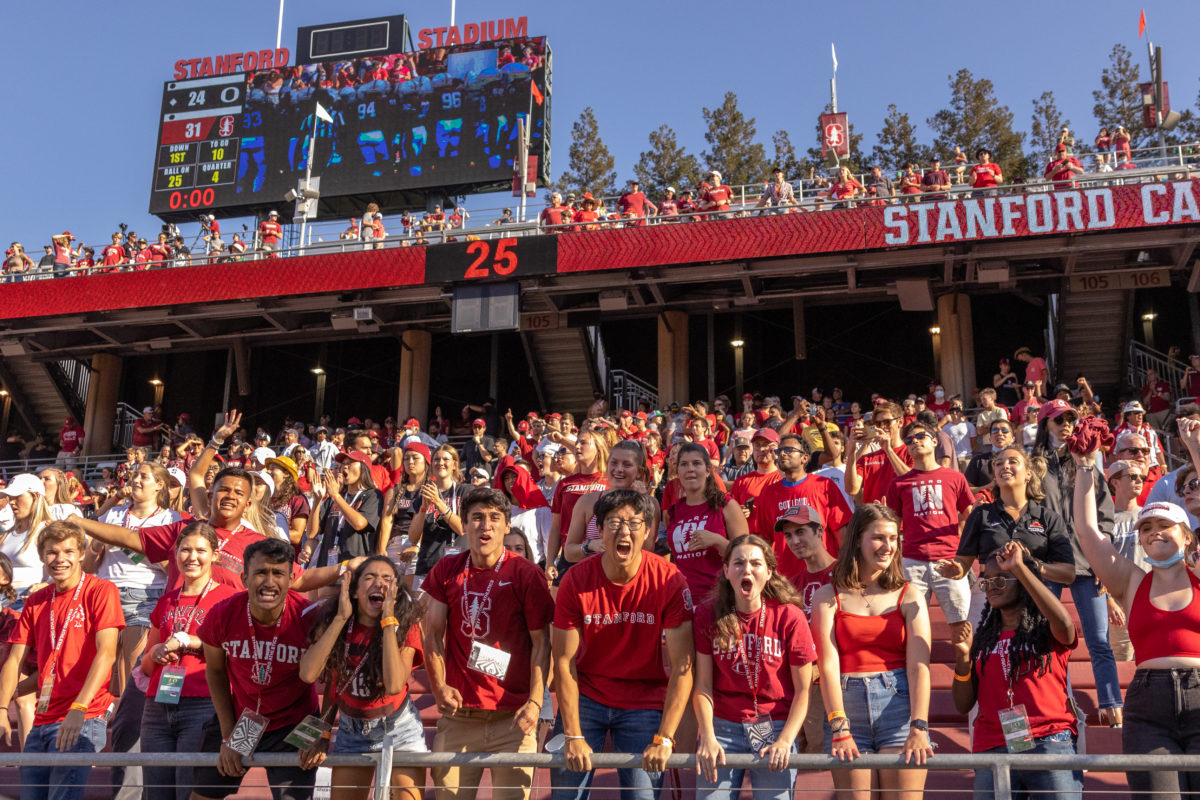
column 1142, row 23
column 537, row 93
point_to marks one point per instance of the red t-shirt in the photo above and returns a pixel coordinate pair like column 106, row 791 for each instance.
column 518, row 603
column 877, row 474
column 187, row 614
column 985, row 175
column 807, row 583
column 158, row 543
column 69, row 437
column 699, row 567
column 767, row 655
column 1035, row 370
column 718, row 196
column 656, row 460
column 285, row 699
column 271, row 232
column 750, row 486
column 356, row 701
column 1150, row 397
column 633, row 203
column 553, row 215
column 929, row 504
column 97, row 608
column 114, row 255
column 567, row 493
column 814, row 491
column 620, row 661
column 1044, row 696
column 1060, row 171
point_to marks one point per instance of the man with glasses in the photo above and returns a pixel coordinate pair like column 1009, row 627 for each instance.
column 797, row 487
column 962, row 433
column 978, row 471
column 1133, row 447
column 610, row 619
column 875, row 455
column 1125, row 481
column 1163, row 490
column 932, row 502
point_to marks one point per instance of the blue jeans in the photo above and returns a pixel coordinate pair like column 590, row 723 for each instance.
column 1028, row 783
column 1092, row 608
column 632, row 731
column 170, row 728
column 59, row 783
column 878, row 707
column 732, row 738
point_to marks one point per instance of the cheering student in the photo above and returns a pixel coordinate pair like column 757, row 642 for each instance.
column 702, row 522
column 754, row 656
column 72, row 626
column 1016, row 668
column 611, row 616
column 365, row 647
column 626, row 469
column 487, row 648
column 253, row 642
column 438, row 521
column 403, row 500
column 178, row 702
column 873, row 638
column 590, row 475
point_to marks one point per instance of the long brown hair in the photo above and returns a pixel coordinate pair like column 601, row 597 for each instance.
column 164, row 479
column 62, row 490
column 845, row 569
column 1034, row 465
column 727, row 626
column 713, row 495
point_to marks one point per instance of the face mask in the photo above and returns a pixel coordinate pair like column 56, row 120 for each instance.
column 1169, row 562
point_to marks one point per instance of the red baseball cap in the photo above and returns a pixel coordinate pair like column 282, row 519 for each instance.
column 766, row 433
column 625, row 412
column 354, row 421
column 554, row 415
column 419, row 447
column 640, row 415
column 353, row 455
column 800, row 515
column 412, row 422
column 1054, row 409
column 479, row 423
column 1061, row 148
column 522, row 425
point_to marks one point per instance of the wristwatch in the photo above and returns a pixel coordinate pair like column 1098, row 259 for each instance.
column 587, row 548
column 919, row 724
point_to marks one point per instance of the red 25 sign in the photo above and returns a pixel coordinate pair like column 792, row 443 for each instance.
column 491, row 259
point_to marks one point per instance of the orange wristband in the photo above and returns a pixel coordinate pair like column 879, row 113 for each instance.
column 388, row 622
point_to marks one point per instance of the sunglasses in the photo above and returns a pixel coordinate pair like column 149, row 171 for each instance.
column 998, row 582
column 1001, row 430
column 787, row 451
column 1138, row 450
column 919, row 436
column 1191, row 486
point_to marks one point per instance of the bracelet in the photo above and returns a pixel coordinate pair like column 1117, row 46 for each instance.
column 832, row 715
column 847, row 737
column 388, row 622
column 963, row 678
column 568, row 736
column 535, row 702
column 326, row 734
column 79, row 707
column 214, row 444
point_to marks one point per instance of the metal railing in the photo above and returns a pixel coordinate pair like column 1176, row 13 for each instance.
column 1001, row 765
column 1143, row 357
column 626, row 389
column 88, row 467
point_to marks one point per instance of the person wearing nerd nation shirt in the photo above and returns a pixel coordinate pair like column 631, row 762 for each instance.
column 612, row 611
column 487, row 649
column 253, row 642
column 72, row 626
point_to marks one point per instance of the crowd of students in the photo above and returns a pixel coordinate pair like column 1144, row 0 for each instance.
column 699, row 579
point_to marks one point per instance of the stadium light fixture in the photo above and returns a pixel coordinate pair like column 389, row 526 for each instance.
column 935, row 331
column 738, row 343
column 317, row 370
column 1149, row 316
column 155, row 382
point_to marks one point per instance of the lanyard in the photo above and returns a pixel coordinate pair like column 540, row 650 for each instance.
column 473, row 610
column 145, row 520
column 261, row 673
column 341, row 517
column 346, row 658
column 55, row 646
column 196, row 607
column 758, row 652
column 222, row 542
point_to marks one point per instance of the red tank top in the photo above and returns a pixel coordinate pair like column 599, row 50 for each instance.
column 1155, row 633
column 871, row 643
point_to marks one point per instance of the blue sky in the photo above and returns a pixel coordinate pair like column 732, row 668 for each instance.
column 85, row 78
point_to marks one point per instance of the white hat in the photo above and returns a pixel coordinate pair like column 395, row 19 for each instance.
column 266, row 478
column 1168, row 511
column 1133, row 407
column 714, row 172
column 24, row 483
column 179, row 475
column 147, row 410
column 273, row 214
column 261, row 454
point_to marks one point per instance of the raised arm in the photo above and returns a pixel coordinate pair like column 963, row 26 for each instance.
column 1114, row 569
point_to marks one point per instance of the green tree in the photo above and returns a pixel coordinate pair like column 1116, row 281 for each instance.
column 976, row 119
column 898, row 143
column 665, row 164
column 1045, row 126
column 853, row 161
column 1118, row 101
column 590, row 164
column 785, row 156
column 732, row 149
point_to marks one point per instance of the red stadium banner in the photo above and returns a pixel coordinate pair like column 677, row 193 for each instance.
column 1072, row 211
column 835, row 134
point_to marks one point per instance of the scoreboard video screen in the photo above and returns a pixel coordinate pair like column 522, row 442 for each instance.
column 393, row 127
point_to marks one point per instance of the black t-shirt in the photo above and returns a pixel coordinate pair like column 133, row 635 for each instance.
column 979, row 470
column 1041, row 530
column 471, row 456
column 407, row 504
column 437, row 535
column 336, row 531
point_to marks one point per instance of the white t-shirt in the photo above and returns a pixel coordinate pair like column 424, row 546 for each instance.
column 126, row 568
column 1028, row 434
column 961, row 433
column 838, row 476
column 535, row 524
column 60, row 511
column 27, row 564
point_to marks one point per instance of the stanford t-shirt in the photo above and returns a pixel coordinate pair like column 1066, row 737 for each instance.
column 929, row 503
column 699, row 567
column 77, row 619
column 567, row 493
column 620, row 661
column 813, row 491
column 187, row 613
column 498, row 606
column 357, row 701
column 768, row 653
column 1044, row 696
column 282, row 698
column 807, row 583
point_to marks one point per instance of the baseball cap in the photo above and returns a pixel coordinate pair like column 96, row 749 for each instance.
column 625, row 412
column 554, row 415
column 178, row 474
column 353, row 455
column 1061, row 387
column 1168, row 511
column 766, row 433
column 148, row 410
column 412, row 422
column 522, row 426
column 741, row 441
column 24, row 483
column 421, row 448
column 285, row 464
column 479, row 472
column 1133, row 407
column 1054, row 409
column 1119, row 467
column 261, row 454
column 640, row 415
column 273, row 214
column 1061, row 148
column 479, row 423
column 1030, row 384
column 266, row 478
column 800, row 515
column 353, row 421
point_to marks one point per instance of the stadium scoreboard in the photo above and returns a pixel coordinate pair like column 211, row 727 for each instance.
column 396, row 125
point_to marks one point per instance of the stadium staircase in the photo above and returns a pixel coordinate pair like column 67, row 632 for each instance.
column 41, row 392
column 948, row 731
column 567, row 366
column 1094, row 329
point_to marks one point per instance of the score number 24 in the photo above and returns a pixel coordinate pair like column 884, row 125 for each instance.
column 504, row 261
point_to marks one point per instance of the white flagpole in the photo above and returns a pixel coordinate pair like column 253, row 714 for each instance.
column 279, row 29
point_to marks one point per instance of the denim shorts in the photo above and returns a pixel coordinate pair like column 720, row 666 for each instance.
column 137, row 605
column 878, row 709
column 356, row 735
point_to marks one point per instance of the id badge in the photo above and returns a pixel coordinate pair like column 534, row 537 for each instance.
column 489, row 660
column 170, row 685
column 310, row 730
column 760, row 731
column 43, row 703
column 247, row 733
column 1015, row 725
